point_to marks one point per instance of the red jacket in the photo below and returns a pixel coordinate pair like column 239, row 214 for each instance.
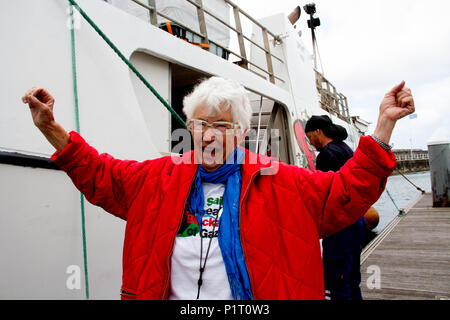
column 282, row 215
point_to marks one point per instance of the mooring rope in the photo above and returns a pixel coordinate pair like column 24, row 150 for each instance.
column 77, row 117
column 418, row 188
column 400, row 211
column 77, row 122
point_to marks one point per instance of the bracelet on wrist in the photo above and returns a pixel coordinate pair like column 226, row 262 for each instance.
column 382, row 144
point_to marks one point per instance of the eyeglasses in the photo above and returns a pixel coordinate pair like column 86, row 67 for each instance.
column 198, row 125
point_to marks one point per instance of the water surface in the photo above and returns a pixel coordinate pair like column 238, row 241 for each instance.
column 403, row 193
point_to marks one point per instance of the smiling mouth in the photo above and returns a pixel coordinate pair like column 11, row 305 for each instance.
column 211, row 155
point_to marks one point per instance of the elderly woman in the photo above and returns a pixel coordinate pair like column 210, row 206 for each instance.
column 212, row 224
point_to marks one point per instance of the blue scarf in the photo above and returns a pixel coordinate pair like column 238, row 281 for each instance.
column 229, row 235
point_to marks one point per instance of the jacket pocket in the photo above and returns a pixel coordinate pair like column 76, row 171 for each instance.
column 127, row 294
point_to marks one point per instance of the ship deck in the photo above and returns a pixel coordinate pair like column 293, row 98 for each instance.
column 411, row 256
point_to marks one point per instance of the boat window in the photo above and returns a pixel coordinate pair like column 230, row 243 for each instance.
column 183, row 81
column 156, row 117
column 269, row 133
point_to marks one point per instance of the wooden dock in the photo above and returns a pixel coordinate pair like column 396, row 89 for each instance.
column 410, row 258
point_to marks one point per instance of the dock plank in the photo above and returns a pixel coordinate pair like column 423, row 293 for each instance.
column 413, row 258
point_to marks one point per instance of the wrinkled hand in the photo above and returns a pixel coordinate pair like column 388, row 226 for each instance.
column 41, row 106
column 397, row 103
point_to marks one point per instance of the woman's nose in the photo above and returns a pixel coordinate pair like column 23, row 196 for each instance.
column 209, row 134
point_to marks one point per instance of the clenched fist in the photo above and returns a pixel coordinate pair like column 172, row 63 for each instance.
column 41, row 106
column 396, row 104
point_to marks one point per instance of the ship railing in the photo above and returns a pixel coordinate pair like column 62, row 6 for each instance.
column 245, row 62
column 331, row 100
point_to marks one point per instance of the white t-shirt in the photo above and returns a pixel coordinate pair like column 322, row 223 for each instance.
column 186, row 253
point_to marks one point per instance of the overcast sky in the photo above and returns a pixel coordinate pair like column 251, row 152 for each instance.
column 369, row 46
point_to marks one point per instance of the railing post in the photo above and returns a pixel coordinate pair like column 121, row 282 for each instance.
column 202, row 22
column 347, row 112
column 328, row 97
column 237, row 20
column 335, row 100
column 268, row 55
column 153, row 15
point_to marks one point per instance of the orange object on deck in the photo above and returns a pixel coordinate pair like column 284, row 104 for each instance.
column 372, row 218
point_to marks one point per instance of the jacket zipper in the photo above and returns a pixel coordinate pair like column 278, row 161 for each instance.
column 242, row 242
column 173, row 242
column 124, row 292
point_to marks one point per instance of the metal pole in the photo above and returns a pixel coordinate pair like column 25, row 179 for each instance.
column 314, row 45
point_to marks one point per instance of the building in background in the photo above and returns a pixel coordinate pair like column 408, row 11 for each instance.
column 411, row 160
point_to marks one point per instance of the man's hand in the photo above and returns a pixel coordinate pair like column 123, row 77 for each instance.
column 41, row 106
column 397, row 103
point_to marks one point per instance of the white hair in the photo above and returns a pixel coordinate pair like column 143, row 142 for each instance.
column 217, row 92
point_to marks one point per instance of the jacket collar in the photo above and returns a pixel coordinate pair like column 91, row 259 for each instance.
column 253, row 164
column 257, row 164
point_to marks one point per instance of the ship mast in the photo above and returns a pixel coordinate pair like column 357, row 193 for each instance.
column 312, row 24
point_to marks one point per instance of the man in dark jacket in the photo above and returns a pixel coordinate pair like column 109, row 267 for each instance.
column 342, row 250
